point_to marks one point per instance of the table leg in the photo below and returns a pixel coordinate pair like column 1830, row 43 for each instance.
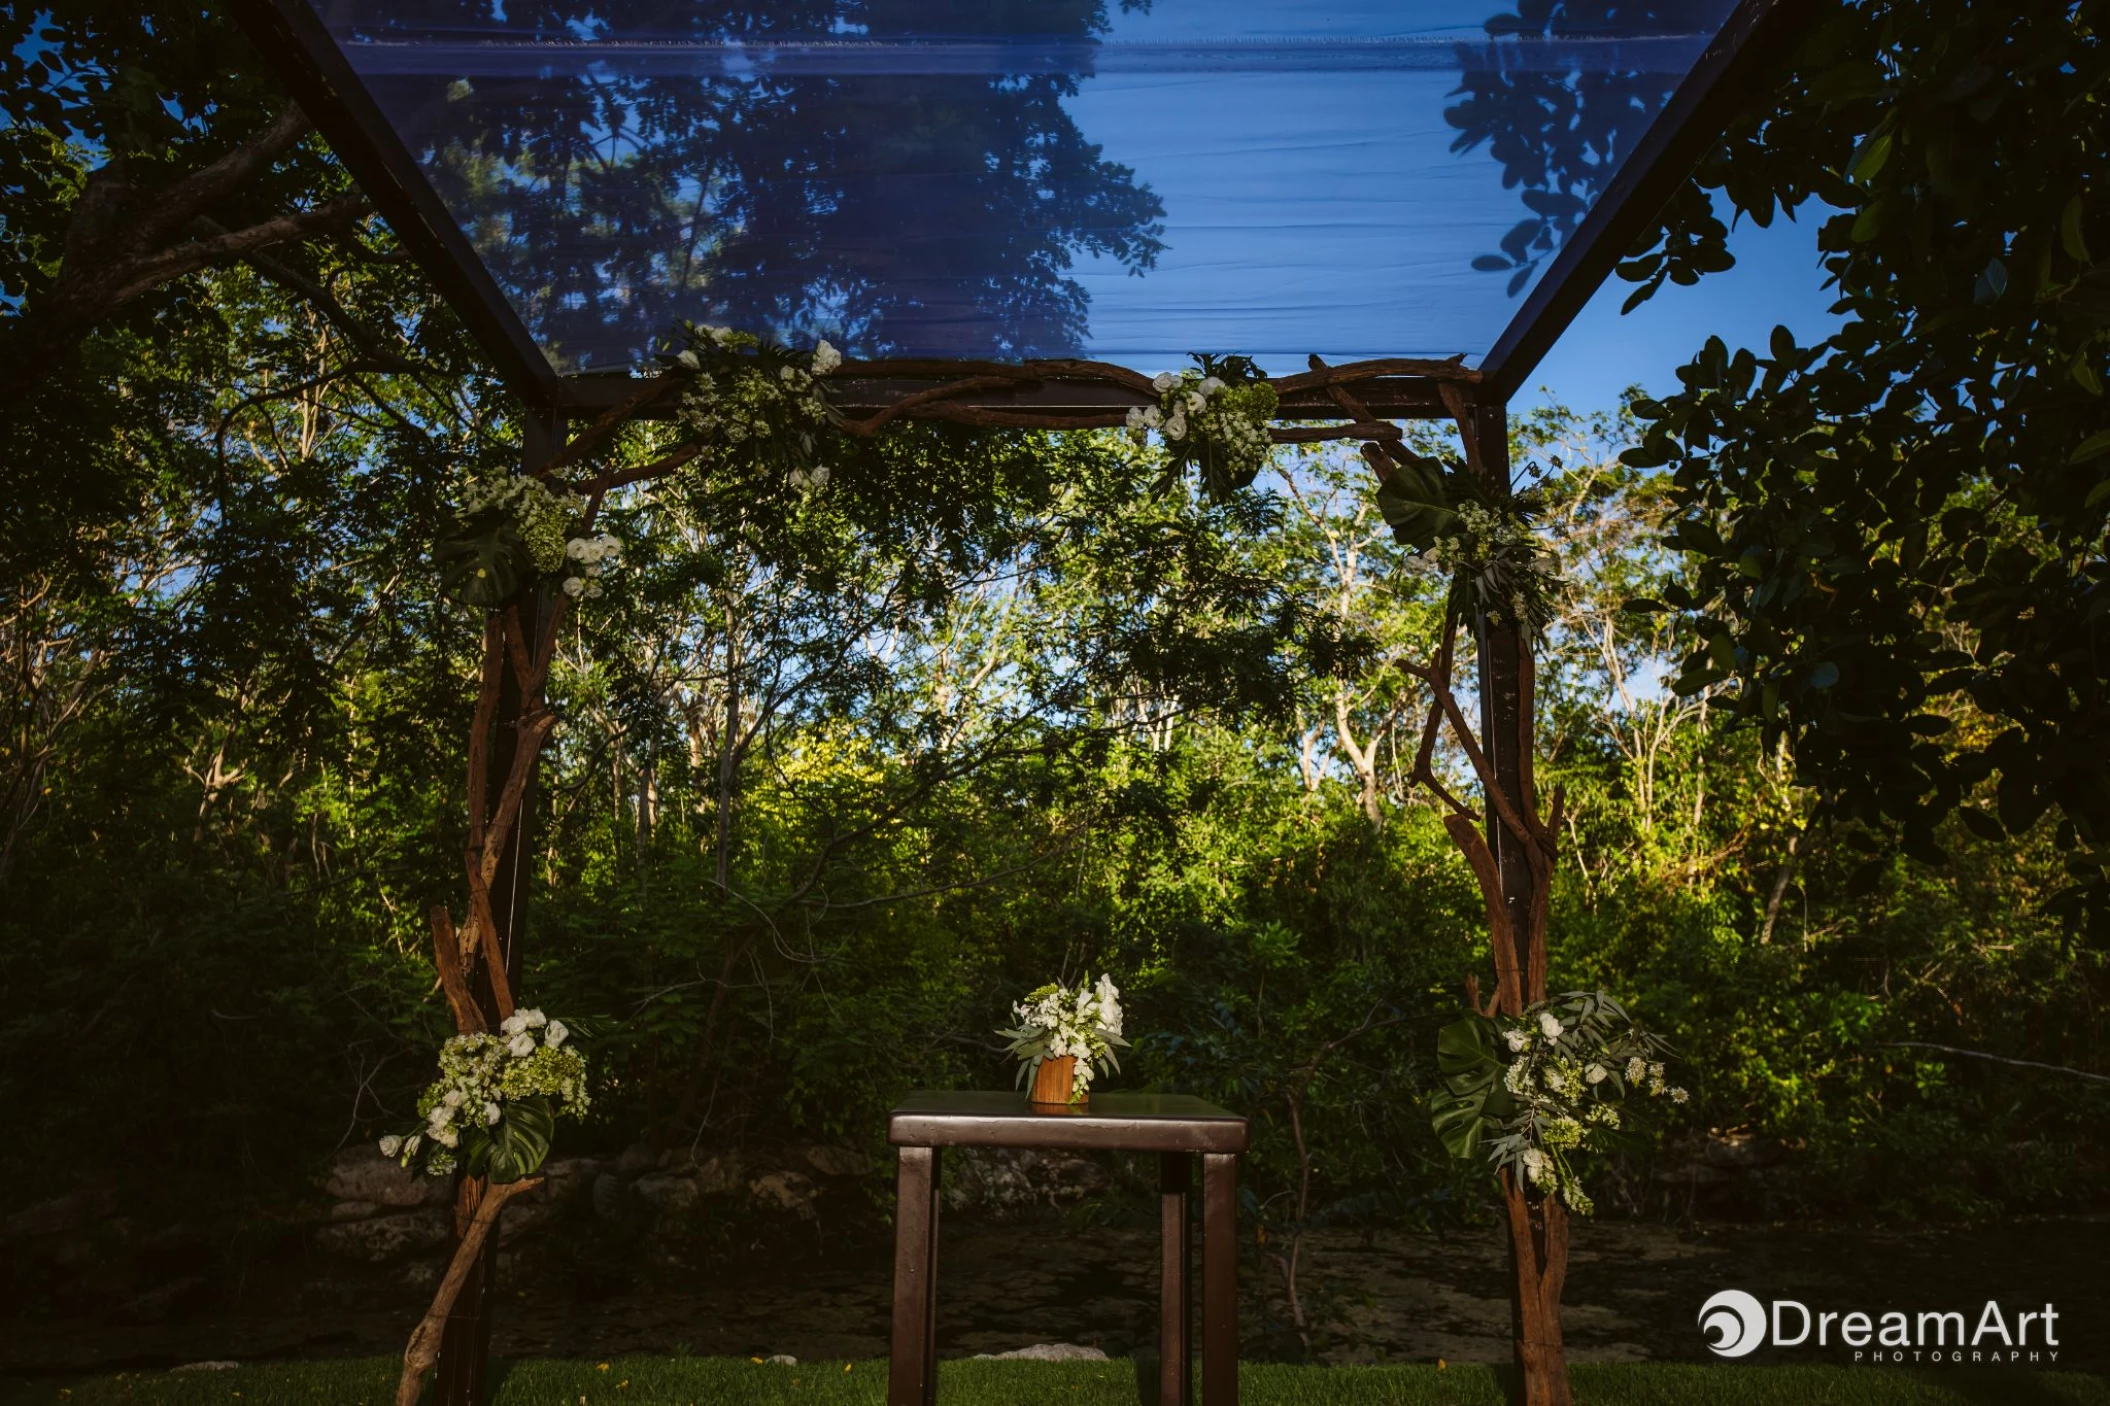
column 930, row 1278
column 1219, row 1279
column 911, row 1370
column 1175, row 1331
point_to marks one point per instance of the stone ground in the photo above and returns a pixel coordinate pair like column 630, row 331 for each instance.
column 1633, row 1292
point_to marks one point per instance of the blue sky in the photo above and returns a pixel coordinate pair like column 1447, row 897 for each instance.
column 1776, row 280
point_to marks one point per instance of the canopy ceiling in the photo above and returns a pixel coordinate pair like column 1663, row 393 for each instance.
column 1013, row 179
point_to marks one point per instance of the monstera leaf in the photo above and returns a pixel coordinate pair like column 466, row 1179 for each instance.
column 1472, row 1102
column 483, row 561
column 1416, row 502
column 520, row 1141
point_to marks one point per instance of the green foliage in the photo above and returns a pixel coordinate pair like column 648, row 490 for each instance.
column 1472, row 1104
column 1896, row 537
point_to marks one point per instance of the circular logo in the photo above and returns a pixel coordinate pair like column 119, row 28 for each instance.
column 1734, row 1322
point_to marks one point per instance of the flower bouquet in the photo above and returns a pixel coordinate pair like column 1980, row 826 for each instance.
column 1063, row 1036
column 490, row 1112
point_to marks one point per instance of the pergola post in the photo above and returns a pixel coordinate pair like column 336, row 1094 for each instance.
column 1506, row 723
column 462, row 1376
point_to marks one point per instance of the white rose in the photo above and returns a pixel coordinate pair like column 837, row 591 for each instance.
column 576, row 548
column 1163, row 381
column 690, row 360
column 1135, row 417
column 1195, row 403
column 1153, row 417
column 1176, row 426
column 1517, row 1039
column 573, row 586
column 491, row 1115
column 1551, row 1026
column 521, row 1045
column 593, row 590
column 1211, row 385
column 391, row 1145
column 554, row 1035
column 1596, row 1073
column 825, row 358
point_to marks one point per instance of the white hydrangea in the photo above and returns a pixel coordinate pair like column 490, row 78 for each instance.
column 479, row 1075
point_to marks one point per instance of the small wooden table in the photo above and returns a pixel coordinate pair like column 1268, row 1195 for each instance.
column 1176, row 1127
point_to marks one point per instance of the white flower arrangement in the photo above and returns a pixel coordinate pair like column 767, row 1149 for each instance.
column 539, row 513
column 490, row 1111
column 591, row 558
column 1574, row 1056
column 752, row 397
column 1511, row 571
column 504, row 531
column 1056, row 1022
column 1215, row 416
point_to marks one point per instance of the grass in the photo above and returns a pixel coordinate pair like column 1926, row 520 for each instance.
column 717, row 1381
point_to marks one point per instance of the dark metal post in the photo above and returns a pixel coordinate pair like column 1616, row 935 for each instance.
column 462, row 1377
column 1505, row 678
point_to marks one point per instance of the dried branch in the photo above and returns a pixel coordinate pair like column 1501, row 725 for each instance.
column 424, row 1349
column 446, row 955
column 1997, row 1059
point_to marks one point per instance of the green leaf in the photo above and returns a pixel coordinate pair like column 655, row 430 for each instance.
column 2093, row 447
column 1870, row 157
column 1824, row 675
column 2070, row 232
column 1414, row 502
column 521, row 1140
column 483, row 563
column 1472, row 1102
column 1992, row 282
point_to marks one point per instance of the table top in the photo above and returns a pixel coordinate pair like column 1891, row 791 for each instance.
column 1125, row 1122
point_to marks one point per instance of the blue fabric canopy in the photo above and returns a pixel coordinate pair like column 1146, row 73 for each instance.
column 1020, row 178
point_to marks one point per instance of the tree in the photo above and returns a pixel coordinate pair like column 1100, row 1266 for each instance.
column 1896, row 537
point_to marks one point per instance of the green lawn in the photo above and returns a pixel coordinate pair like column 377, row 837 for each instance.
column 712, row 1381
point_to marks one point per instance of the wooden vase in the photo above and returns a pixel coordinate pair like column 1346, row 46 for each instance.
column 1052, row 1081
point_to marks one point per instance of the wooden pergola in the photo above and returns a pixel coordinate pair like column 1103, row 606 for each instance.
column 569, row 413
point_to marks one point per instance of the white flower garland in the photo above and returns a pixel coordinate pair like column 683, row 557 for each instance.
column 1220, row 425
column 1056, row 1022
column 746, row 393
